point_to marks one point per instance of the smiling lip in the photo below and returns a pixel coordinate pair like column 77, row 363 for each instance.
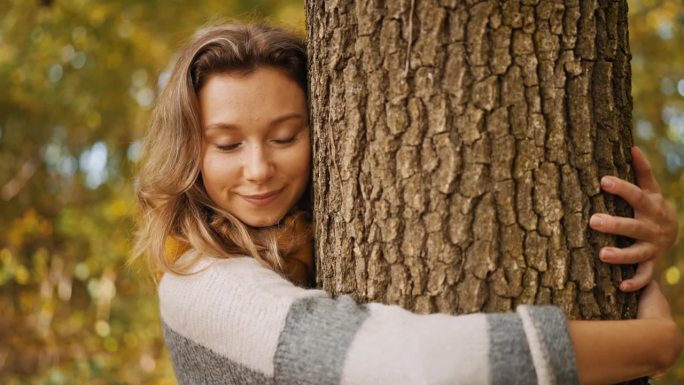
column 262, row 199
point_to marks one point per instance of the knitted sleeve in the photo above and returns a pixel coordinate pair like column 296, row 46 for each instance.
column 236, row 322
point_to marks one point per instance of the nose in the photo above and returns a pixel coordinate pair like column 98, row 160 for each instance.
column 257, row 167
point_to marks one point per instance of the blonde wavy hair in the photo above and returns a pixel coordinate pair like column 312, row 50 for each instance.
column 176, row 212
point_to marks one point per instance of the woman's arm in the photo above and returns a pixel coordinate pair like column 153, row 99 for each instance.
column 609, row 352
column 237, row 318
column 239, row 322
column 614, row 351
column 605, row 349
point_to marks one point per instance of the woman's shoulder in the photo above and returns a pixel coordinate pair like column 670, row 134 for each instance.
column 234, row 280
column 196, row 262
column 229, row 306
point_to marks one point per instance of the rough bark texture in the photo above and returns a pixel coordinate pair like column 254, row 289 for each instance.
column 458, row 147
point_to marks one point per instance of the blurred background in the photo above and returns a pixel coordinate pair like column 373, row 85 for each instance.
column 77, row 81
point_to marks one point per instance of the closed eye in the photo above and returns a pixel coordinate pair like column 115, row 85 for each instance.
column 285, row 141
column 227, row 147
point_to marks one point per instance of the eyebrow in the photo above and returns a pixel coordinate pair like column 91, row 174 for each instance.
column 280, row 119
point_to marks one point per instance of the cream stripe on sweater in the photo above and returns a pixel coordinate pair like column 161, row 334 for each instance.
column 237, row 322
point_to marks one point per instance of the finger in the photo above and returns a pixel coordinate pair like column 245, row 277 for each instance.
column 628, row 227
column 652, row 303
column 647, row 298
column 641, row 278
column 633, row 194
column 658, row 375
column 642, row 169
column 636, row 253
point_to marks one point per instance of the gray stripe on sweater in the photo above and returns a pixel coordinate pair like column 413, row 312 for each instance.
column 509, row 354
column 552, row 327
column 313, row 344
column 195, row 364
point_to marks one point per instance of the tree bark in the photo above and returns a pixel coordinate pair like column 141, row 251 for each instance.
column 458, row 148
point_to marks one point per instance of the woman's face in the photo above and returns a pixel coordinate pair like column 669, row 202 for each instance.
column 256, row 148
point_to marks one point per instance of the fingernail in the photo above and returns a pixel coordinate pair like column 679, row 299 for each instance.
column 624, row 286
column 606, row 255
column 596, row 221
column 607, row 182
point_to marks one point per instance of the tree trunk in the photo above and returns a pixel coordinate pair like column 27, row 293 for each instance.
column 458, row 148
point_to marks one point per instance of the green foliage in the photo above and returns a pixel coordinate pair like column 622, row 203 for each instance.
column 78, row 80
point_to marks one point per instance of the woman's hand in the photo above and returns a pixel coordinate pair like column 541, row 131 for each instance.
column 607, row 352
column 654, row 226
column 653, row 306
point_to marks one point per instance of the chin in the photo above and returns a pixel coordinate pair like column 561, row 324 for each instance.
column 260, row 222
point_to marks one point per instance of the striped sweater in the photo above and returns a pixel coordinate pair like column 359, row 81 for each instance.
column 237, row 322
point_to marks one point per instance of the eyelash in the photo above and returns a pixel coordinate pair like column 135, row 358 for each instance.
column 286, row 141
column 227, row 147
column 231, row 147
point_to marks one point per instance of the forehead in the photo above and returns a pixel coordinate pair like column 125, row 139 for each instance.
column 262, row 94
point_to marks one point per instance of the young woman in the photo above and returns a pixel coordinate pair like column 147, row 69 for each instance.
column 224, row 182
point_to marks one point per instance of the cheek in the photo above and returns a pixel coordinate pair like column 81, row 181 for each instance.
column 218, row 172
column 298, row 162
